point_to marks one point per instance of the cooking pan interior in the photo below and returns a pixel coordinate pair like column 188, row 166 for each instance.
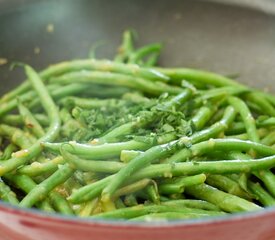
column 200, row 34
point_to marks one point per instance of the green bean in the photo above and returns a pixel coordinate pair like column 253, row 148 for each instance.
column 41, row 190
column 92, row 165
column 201, row 117
column 103, row 151
column 204, row 134
column 192, row 203
column 268, row 96
column 225, row 201
column 243, row 181
column 262, row 132
column 267, row 177
column 226, row 184
column 93, row 49
column 90, row 103
column 119, row 203
column 269, row 139
column 127, row 69
column 137, row 163
column 71, row 125
column 230, row 145
column 37, row 168
column 130, row 200
column 140, row 53
column 208, row 78
column 60, row 203
column 12, row 104
column 190, row 168
column 88, row 208
column 178, row 185
column 61, row 92
column 219, row 145
column 171, row 189
column 125, row 129
column 193, row 75
column 30, row 121
column 8, row 152
column 17, row 136
column 247, row 118
column 140, row 210
column 7, row 195
column 153, row 193
column 20, row 138
column 152, row 59
column 176, row 169
column 22, row 182
column 91, row 64
column 221, row 92
column 116, row 79
column 128, row 155
column 261, row 102
column 137, row 97
column 239, row 127
column 27, row 184
column 6, row 107
column 166, row 216
column 132, row 188
column 24, row 156
column 216, row 128
column 126, row 48
column 15, row 120
column 264, row 197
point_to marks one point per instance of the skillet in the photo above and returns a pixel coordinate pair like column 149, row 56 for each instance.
column 228, row 37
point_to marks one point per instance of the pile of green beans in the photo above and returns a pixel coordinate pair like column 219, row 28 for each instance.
column 124, row 139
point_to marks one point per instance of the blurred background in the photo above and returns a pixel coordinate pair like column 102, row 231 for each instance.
column 227, row 36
